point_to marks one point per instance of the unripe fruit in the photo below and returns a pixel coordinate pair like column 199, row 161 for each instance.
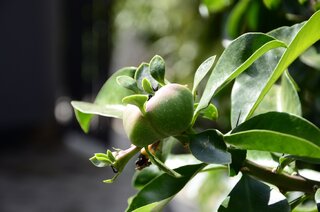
column 168, row 113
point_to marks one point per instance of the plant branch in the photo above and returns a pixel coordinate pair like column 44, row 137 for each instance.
column 283, row 181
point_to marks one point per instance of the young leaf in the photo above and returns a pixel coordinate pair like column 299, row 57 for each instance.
column 157, row 69
column 128, row 82
column 108, row 101
column 147, row 87
column 210, row 112
column 163, row 187
column 121, row 157
column 201, row 72
column 277, row 132
column 100, row 162
column 251, row 195
column 143, row 71
column 209, row 147
column 138, row 100
column 236, row 58
column 246, row 92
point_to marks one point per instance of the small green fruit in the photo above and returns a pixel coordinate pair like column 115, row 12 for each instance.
column 168, row 113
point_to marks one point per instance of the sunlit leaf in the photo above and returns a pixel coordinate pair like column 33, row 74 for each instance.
column 114, row 111
column 277, row 132
column 247, row 93
column 283, row 123
column 236, row 58
column 201, row 72
column 108, row 101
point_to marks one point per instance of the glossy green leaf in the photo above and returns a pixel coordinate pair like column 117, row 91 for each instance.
column 163, row 187
column 311, row 57
column 138, row 100
column 277, row 132
column 157, row 69
column 201, row 72
column 236, row 58
column 129, row 83
column 108, row 101
column 251, row 195
column 266, row 140
column 209, row 147
column 143, row 71
column 247, row 93
column 283, row 123
column 245, row 90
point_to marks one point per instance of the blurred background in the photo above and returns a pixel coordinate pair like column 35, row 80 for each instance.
column 54, row 51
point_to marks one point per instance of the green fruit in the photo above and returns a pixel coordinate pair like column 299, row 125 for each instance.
column 169, row 112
